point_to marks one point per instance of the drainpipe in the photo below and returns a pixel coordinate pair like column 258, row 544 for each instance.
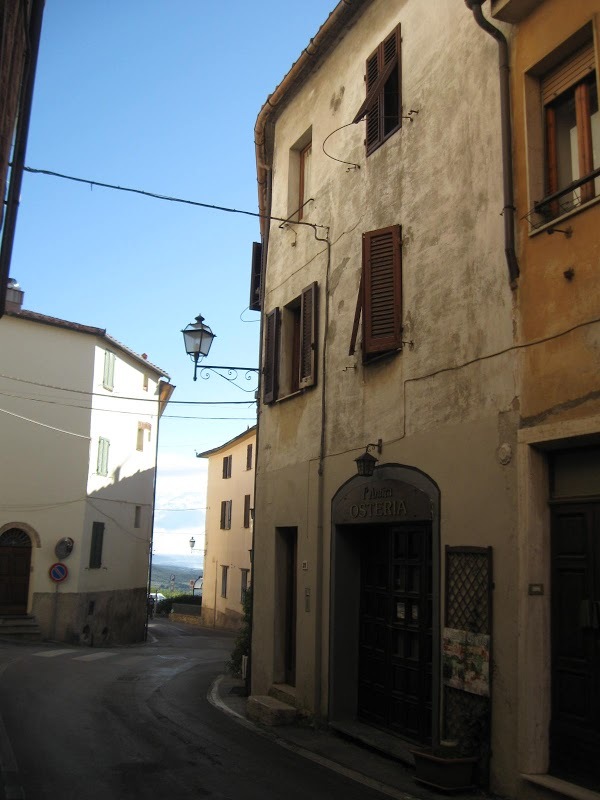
column 508, row 211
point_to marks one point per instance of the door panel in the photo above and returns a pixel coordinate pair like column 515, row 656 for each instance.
column 395, row 632
column 575, row 726
column 14, row 579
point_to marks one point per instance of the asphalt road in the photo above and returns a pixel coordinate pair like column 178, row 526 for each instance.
column 134, row 722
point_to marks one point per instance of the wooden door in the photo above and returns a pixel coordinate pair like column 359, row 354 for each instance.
column 15, row 561
column 395, row 676
column 575, row 725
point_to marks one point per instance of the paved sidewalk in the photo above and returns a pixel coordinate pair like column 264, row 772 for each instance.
column 330, row 749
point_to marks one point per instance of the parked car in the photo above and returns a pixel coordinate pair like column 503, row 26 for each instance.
column 157, row 597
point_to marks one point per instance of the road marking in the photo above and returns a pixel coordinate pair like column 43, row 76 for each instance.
column 53, row 653
column 95, row 656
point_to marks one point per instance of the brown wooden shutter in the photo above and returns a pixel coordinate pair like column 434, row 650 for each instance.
column 246, row 511
column 382, row 290
column 308, row 336
column 568, row 73
column 373, row 134
column 271, row 362
column 255, row 277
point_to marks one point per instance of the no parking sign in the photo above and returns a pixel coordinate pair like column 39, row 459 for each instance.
column 58, row 572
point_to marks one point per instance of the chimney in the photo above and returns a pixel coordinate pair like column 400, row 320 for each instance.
column 14, row 296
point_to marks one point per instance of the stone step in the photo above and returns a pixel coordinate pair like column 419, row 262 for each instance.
column 270, row 711
column 23, row 626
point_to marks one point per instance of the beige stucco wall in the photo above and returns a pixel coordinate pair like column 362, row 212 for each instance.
column 50, row 486
column 446, row 405
column 231, row 547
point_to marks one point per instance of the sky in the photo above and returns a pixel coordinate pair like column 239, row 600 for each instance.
column 162, row 96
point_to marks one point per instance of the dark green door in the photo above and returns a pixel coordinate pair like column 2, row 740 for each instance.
column 395, row 678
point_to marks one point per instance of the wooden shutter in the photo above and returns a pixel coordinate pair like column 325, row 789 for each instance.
column 249, row 457
column 271, row 359
column 246, row 511
column 228, row 505
column 571, row 71
column 382, row 290
column 383, row 69
column 223, row 514
column 255, row 278
column 308, row 336
column 96, row 546
column 373, row 135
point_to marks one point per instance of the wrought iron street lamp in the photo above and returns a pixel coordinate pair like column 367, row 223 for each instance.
column 365, row 463
column 198, row 338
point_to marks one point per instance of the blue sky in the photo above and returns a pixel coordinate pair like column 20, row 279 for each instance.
column 163, row 97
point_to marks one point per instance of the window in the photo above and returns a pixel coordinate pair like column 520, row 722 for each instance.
column 245, row 573
column 103, row 449
column 108, row 379
column 300, row 189
column 572, row 129
column 380, row 293
column 563, row 129
column 142, row 428
column 291, row 346
column 249, row 457
column 255, row 278
column 227, row 466
column 246, row 511
column 304, row 178
column 96, row 545
column 145, row 383
column 383, row 103
column 225, row 515
column 137, row 518
column 224, row 571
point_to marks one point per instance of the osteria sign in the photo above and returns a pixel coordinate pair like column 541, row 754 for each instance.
column 372, row 501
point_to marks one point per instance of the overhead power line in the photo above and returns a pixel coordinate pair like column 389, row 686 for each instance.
column 168, row 198
column 124, row 397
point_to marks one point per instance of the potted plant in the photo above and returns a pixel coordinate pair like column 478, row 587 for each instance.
column 445, row 767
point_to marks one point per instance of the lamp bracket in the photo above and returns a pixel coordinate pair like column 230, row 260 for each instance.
column 231, row 375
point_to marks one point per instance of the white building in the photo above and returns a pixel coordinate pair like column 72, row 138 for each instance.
column 229, row 521
column 79, row 428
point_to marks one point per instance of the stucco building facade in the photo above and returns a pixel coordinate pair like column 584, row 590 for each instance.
column 229, row 526
column 388, row 320
column 554, row 87
column 79, row 427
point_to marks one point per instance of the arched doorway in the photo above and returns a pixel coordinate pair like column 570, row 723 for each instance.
column 15, row 562
column 385, row 573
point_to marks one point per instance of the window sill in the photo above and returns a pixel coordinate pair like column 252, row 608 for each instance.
column 562, row 787
column 558, row 220
column 377, row 359
column 289, row 396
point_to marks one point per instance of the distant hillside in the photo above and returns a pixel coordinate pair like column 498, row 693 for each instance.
column 161, row 577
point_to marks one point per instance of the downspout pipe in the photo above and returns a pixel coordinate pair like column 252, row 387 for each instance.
column 508, row 210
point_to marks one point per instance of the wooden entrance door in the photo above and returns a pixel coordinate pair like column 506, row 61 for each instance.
column 395, row 677
column 15, row 561
column 575, row 726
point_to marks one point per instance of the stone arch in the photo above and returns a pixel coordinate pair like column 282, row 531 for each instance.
column 396, row 494
column 23, row 526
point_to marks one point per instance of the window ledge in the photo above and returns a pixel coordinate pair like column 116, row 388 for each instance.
column 553, row 223
column 289, row 396
column 562, row 787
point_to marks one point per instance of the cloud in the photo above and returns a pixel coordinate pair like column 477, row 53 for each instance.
column 181, row 494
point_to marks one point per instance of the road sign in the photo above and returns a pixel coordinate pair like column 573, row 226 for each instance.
column 58, row 572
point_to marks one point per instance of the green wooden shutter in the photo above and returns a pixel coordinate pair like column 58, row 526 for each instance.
column 271, row 360
column 308, row 336
column 108, row 379
column 382, row 290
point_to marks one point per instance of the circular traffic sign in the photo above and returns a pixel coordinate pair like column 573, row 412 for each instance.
column 58, row 572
